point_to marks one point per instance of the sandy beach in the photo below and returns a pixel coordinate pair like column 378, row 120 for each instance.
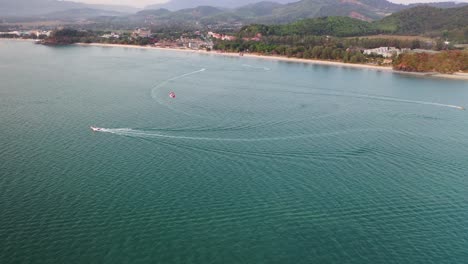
column 455, row 76
column 249, row 55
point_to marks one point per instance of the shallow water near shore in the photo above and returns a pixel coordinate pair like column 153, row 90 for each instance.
column 254, row 161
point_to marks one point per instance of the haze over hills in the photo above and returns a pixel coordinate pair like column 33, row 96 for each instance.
column 19, row 8
column 247, row 11
column 175, row 5
column 276, row 13
column 449, row 4
column 82, row 13
column 273, row 12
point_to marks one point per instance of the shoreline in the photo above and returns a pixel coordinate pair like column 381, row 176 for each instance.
column 454, row 76
column 248, row 55
column 18, row 39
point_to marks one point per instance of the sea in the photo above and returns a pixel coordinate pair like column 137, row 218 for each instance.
column 253, row 161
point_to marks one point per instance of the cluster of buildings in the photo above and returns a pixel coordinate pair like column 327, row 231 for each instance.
column 214, row 35
column 193, row 43
column 220, row 36
column 29, row 33
column 137, row 33
column 200, row 42
column 183, row 42
column 111, row 36
column 385, row 52
column 142, row 33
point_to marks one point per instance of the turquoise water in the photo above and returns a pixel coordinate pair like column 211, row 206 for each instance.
column 254, row 161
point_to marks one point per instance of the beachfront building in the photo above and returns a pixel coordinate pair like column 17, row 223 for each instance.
column 43, row 33
column 220, row 36
column 142, row 33
column 11, row 33
column 111, row 35
column 199, row 44
column 193, row 43
column 385, row 52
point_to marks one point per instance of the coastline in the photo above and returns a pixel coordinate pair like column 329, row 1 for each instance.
column 255, row 56
column 454, row 76
column 19, row 39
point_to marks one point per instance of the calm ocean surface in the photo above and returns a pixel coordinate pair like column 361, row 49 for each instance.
column 254, row 161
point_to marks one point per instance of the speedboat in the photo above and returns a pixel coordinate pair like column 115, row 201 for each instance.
column 96, row 129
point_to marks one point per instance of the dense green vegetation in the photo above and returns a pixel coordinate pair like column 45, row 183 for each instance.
column 326, row 38
column 66, row 36
column 449, row 23
column 310, row 47
column 269, row 12
column 427, row 19
column 417, row 20
column 444, row 62
column 435, row 22
column 70, row 36
column 333, row 26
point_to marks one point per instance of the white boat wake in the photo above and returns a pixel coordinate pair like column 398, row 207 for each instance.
column 391, row 99
column 255, row 67
column 153, row 92
column 149, row 134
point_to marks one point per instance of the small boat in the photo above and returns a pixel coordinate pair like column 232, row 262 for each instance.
column 172, row 95
column 96, row 129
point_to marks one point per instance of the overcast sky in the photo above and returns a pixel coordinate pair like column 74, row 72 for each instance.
column 142, row 3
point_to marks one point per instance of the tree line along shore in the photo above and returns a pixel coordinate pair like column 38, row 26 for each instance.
column 420, row 39
column 411, row 55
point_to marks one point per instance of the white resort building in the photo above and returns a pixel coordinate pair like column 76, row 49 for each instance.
column 385, row 52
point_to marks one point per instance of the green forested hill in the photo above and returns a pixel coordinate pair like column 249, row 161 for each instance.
column 334, row 26
column 272, row 12
column 451, row 23
column 425, row 19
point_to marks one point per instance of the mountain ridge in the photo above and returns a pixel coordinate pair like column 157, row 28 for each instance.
column 23, row 8
column 175, row 5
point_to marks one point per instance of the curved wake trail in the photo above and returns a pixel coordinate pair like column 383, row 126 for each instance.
column 356, row 95
column 155, row 89
column 153, row 92
column 390, row 99
column 141, row 133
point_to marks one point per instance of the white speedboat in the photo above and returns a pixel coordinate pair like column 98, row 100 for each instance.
column 96, row 129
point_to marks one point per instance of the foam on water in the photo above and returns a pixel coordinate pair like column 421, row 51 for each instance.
column 256, row 67
column 149, row 134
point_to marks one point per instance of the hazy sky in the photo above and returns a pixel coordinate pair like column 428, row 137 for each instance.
column 139, row 3
column 142, row 3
